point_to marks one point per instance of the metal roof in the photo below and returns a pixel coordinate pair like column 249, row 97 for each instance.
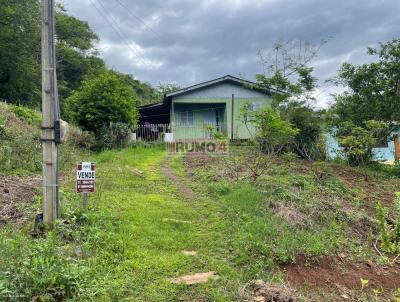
column 227, row 78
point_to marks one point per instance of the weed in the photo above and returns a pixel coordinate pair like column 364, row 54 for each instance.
column 40, row 272
column 390, row 238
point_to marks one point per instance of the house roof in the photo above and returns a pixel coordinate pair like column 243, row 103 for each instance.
column 227, row 78
column 159, row 112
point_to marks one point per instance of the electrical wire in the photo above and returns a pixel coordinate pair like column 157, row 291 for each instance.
column 118, row 31
column 138, row 18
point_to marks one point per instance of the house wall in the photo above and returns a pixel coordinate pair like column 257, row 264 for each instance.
column 379, row 154
column 202, row 114
column 221, row 93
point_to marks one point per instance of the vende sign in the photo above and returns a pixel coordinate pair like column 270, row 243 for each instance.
column 85, row 177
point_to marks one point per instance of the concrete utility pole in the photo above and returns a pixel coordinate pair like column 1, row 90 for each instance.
column 50, row 116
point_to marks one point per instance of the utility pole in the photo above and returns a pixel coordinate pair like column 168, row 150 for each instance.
column 50, row 116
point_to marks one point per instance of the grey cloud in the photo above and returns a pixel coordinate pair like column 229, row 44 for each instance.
column 196, row 40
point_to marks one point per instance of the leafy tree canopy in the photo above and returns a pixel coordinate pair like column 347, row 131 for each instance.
column 103, row 100
column 77, row 58
column 373, row 90
column 20, row 51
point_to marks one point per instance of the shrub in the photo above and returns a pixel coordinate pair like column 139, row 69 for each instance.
column 214, row 133
column 26, row 114
column 273, row 133
column 357, row 142
column 116, row 135
column 390, row 235
column 79, row 139
column 309, row 142
column 100, row 101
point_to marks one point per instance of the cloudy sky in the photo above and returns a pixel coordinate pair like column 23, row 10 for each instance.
column 190, row 41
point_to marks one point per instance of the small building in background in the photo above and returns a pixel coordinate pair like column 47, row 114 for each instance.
column 387, row 150
column 189, row 113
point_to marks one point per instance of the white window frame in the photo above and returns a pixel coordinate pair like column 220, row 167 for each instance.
column 186, row 119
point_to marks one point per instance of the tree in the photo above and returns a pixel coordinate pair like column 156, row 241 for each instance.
column 358, row 141
column 288, row 75
column 77, row 58
column 145, row 93
column 20, row 52
column 76, row 55
column 309, row 141
column 287, row 72
column 102, row 100
column 373, row 89
column 163, row 89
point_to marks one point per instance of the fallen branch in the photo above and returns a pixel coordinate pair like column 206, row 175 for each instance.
column 394, row 260
column 376, row 249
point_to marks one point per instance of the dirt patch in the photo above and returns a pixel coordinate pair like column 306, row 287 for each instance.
column 334, row 272
column 190, row 253
column 186, row 192
column 260, row 291
column 16, row 198
column 196, row 278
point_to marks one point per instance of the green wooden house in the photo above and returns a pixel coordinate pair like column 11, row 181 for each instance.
column 191, row 111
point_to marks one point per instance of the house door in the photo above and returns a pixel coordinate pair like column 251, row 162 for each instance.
column 210, row 118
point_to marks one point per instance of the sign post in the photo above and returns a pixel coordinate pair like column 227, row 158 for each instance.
column 85, row 180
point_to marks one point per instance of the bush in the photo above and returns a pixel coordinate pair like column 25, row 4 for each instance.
column 101, row 101
column 79, row 139
column 214, row 133
column 273, row 133
column 357, row 142
column 309, row 142
column 116, row 135
column 390, row 234
column 26, row 114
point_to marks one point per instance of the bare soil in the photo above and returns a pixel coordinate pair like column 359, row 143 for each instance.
column 195, row 278
column 260, row 291
column 335, row 273
column 17, row 197
column 185, row 191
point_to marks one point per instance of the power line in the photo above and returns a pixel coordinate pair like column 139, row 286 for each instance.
column 118, row 31
column 122, row 34
column 324, row 90
column 138, row 18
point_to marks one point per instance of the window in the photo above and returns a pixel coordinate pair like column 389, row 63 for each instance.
column 255, row 106
column 186, row 119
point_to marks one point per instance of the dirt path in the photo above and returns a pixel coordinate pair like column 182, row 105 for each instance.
column 185, row 191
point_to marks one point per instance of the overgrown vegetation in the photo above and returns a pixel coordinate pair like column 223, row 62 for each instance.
column 289, row 208
column 20, row 145
column 389, row 233
column 358, row 141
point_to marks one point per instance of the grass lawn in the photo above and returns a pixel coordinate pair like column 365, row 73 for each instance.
column 126, row 246
column 130, row 242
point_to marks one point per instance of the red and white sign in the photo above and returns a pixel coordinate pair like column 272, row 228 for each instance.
column 85, row 177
